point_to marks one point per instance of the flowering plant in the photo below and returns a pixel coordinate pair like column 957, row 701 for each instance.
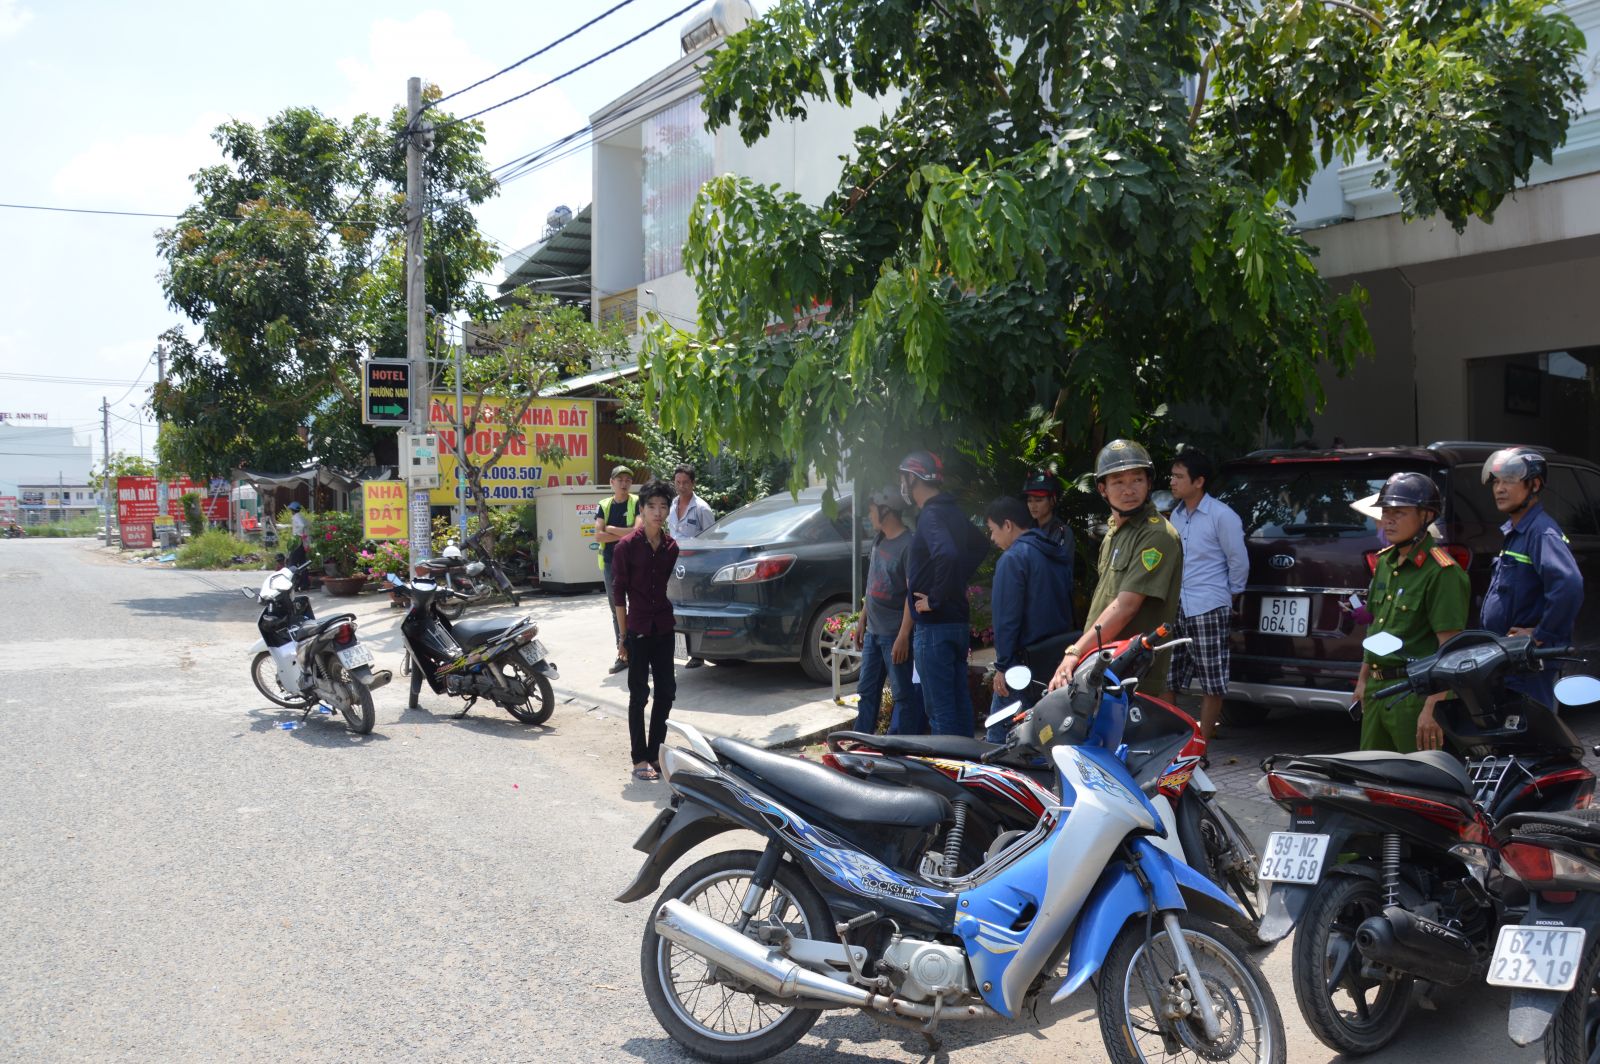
column 842, row 623
column 385, row 558
column 336, row 543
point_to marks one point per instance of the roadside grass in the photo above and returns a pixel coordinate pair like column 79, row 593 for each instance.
column 218, row 550
column 77, row 527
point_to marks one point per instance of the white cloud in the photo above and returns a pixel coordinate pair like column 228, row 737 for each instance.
column 13, row 16
column 140, row 171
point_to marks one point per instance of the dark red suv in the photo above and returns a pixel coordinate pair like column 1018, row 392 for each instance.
column 1294, row 641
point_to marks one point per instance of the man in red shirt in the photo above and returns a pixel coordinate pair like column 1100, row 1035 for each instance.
column 641, row 566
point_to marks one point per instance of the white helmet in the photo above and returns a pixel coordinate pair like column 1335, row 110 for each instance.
column 451, row 550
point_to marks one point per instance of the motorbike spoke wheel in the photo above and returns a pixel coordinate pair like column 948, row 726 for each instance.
column 1346, row 1009
column 541, row 700
column 1144, row 995
column 264, row 672
column 1574, row 1031
column 707, row 1012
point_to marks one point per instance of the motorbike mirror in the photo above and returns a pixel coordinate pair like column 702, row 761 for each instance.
column 1018, row 677
column 395, row 580
column 1577, row 690
column 1002, row 715
column 1382, row 643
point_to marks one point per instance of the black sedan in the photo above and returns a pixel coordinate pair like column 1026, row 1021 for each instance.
column 762, row 583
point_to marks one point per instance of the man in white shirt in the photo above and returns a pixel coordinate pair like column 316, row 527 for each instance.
column 1214, row 570
column 688, row 516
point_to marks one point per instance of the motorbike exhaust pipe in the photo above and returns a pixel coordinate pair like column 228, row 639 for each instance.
column 1417, row 945
column 749, row 960
column 767, row 969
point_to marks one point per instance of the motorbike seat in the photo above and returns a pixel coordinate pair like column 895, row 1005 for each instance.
column 308, row 630
column 1433, row 769
column 1580, row 825
column 955, row 747
column 475, row 633
column 842, row 797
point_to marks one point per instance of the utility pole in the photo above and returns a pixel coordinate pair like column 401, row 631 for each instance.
column 105, row 472
column 419, row 525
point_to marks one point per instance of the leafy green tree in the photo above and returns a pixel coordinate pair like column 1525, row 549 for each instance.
column 290, row 262
column 1051, row 215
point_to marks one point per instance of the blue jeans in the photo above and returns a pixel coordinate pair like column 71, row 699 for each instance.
column 877, row 664
column 941, row 654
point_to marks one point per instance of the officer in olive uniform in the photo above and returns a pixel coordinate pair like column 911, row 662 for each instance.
column 1418, row 595
column 1141, row 564
column 1536, row 589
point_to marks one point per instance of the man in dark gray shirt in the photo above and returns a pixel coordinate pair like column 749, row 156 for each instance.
column 884, row 632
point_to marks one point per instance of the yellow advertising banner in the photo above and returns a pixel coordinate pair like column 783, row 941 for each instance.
column 518, row 475
column 383, row 509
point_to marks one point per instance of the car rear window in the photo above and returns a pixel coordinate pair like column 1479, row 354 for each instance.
column 1297, row 499
column 776, row 519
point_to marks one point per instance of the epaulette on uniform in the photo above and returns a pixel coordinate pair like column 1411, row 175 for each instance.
column 1442, row 556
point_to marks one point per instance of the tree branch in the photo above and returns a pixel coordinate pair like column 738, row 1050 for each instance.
column 1363, row 12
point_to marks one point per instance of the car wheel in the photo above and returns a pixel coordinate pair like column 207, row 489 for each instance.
column 815, row 656
column 1244, row 714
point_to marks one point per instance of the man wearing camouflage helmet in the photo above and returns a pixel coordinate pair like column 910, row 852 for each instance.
column 1141, row 563
column 1418, row 595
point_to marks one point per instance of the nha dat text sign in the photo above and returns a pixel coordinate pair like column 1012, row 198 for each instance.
column 383, row 509
column 519, row 474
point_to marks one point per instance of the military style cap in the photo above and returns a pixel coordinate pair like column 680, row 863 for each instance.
column 1118, row 455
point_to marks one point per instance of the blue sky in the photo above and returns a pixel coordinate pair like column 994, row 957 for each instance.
column 112, row 105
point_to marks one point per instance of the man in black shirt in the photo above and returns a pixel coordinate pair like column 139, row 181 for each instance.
column 643, row 563
column 617, row 516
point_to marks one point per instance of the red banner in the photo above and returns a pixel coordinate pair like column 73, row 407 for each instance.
column 137, row 499
column 137, row 534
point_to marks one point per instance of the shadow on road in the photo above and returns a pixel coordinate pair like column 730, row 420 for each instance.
column 317, row 729
column 488, row 723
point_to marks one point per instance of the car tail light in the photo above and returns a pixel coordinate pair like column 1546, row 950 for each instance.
column 344, row 634
column 755, row 570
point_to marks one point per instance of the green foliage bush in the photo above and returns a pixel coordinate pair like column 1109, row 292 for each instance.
column 191, row 512
column 215, row 550
column 77, row 527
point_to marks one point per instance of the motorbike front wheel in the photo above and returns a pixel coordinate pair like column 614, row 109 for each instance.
column 264, row 672
column 541, row 701
column 1345, row 1010
column 1144, row 999
column 1573, row 1036
column 708, row 1017
column 1209, row 848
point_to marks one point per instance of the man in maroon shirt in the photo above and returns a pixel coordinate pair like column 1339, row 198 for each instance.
column 640, row 566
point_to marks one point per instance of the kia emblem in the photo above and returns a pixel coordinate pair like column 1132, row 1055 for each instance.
column 679, row 571
column 1281, row 561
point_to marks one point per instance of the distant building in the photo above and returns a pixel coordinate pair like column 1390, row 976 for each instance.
column 48, row 504
column 39, row 455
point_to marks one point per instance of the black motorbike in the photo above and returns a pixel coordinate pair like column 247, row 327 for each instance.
column 1390, row 864
column 501, row 660
column 474, row 584
column 303, row 661
column 14, row 532
column 1551, row 959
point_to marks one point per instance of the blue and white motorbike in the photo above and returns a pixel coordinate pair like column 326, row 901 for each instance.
column 745, row 948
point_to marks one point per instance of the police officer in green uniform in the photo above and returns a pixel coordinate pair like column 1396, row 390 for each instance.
column 1418, row 595
column 1141, row 563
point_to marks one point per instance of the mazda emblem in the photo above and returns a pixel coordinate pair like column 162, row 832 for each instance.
column 1281, row 561
column 679, row 571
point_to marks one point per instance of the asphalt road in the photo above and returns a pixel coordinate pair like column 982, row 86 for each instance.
column 183, row 880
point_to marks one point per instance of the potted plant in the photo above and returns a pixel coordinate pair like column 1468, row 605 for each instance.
column 336, row 545
column 384, row 559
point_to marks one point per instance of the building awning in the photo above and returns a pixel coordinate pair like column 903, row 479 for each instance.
column 574, row 385
column 556, row 266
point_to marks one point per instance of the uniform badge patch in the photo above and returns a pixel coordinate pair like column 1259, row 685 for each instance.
column 1150, row 558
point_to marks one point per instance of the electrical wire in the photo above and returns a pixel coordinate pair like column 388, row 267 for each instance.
column 568, row 73
column 85, row 210
column 533, row 55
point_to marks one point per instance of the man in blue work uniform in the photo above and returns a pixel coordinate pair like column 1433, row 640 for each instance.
column 1536, row 588
column 942, row 557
